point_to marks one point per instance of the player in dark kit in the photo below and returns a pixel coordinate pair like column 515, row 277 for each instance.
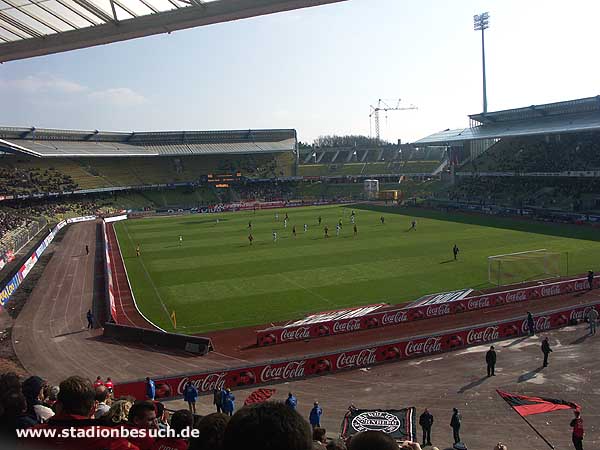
column 286, row 216
column 326, row 230
column 413, row 225
column 319, row 219
column 250, row 224
column 355, row 230
column 250, row 238
column 382, row 220
column 455, row 251
column 340, row 223
column 294, row 230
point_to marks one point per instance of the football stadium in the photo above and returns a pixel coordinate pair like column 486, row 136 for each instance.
column 242, row 288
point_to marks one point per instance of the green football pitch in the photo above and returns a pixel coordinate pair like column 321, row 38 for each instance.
column 214, row 279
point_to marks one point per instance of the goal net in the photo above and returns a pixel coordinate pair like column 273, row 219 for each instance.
column 514, row 268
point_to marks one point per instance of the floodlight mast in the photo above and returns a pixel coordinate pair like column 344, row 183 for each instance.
column 482, row 22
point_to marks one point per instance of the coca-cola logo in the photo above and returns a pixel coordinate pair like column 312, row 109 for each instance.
column 542, row 323
column 296, row 334
column 429, row 345
column 517, row 296
column 437, row 310
column 393, row 318
column 376, row 421
column 346, row 327
column 580, row 285
column 478, row 303
column 486, row 335
column 294, row 369
column 207, row 384
column 580, row 314
column 365, row 357
column 547, row 291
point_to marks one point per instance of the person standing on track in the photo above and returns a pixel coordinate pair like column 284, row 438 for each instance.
column 530, row 324
column 546, row 350
column 455, row 425
column 90, row 319
column 578, row 432
column 87, row 250
column 150, row 389
column 190, row 395
column 590, row 278
column 426, row 422
column 592, row 317
column 490, row 359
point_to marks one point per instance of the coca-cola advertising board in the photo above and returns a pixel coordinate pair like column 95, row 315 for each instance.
column 287, row 370
column 282, row 334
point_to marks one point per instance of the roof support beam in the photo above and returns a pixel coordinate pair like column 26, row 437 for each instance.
column 19, row 26
column 179, row 19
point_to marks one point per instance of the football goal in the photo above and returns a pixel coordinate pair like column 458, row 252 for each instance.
column 517, row 267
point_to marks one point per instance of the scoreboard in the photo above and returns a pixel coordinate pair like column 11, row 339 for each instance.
column 222, row 180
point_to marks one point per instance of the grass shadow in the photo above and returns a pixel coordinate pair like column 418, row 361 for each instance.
column 516, row 341
column 448, row 261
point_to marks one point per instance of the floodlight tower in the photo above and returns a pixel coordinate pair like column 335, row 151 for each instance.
column 482, row 22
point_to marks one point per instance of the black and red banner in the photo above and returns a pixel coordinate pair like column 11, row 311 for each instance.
column 398, row 423
column 526, row 406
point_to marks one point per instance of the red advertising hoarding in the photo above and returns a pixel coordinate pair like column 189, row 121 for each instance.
column 287, row 370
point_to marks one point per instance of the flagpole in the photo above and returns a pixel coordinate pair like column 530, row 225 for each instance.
column 536, row 431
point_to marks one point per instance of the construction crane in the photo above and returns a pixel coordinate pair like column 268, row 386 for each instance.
column 383, row 106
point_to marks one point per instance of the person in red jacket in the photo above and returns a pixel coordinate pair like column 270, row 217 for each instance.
column 180, row 421
column 74, row 409
column 98, row 382
column 109, row 385
column 577, row 425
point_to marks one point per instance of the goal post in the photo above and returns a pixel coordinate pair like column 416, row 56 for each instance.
column 518, row 267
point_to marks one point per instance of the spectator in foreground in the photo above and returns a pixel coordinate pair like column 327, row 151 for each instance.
column 319, row 437
column 118, row 413
column 315, row 415
column 142, row 416
column 75, row 406
column 33, row 389
column 181, row 420
column 102, row 407
column 336, row 444
column 212, row 432
column 267, row 426
column 372, row 440
column 190, row 395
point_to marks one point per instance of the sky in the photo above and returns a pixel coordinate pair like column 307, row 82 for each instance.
column 318, row 70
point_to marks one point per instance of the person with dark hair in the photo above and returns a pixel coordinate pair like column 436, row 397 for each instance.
column 267, row 426
column 109, row 385
column 372, row 440
column 530, row 324
column 33, row 390
column 142, row 416
column 102, row 407
column 315, row 415
column 590, row 278
column 426, row 422
column 190, row 395
column 218, row 399
column 181, row 420
column 592, row 318
column 162, row 416
column 212, row 432
column 578, row 432
column 319, row 437
column 490, row 359
column 75, row 406
column 291, row 401
column 455, row 423
column 15, row 412
column 336, row 444
column 546, row 350
column 150, row 389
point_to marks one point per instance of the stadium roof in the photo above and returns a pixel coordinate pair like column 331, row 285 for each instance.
column 69, row 143
column 41, row 27
column 554, row 118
